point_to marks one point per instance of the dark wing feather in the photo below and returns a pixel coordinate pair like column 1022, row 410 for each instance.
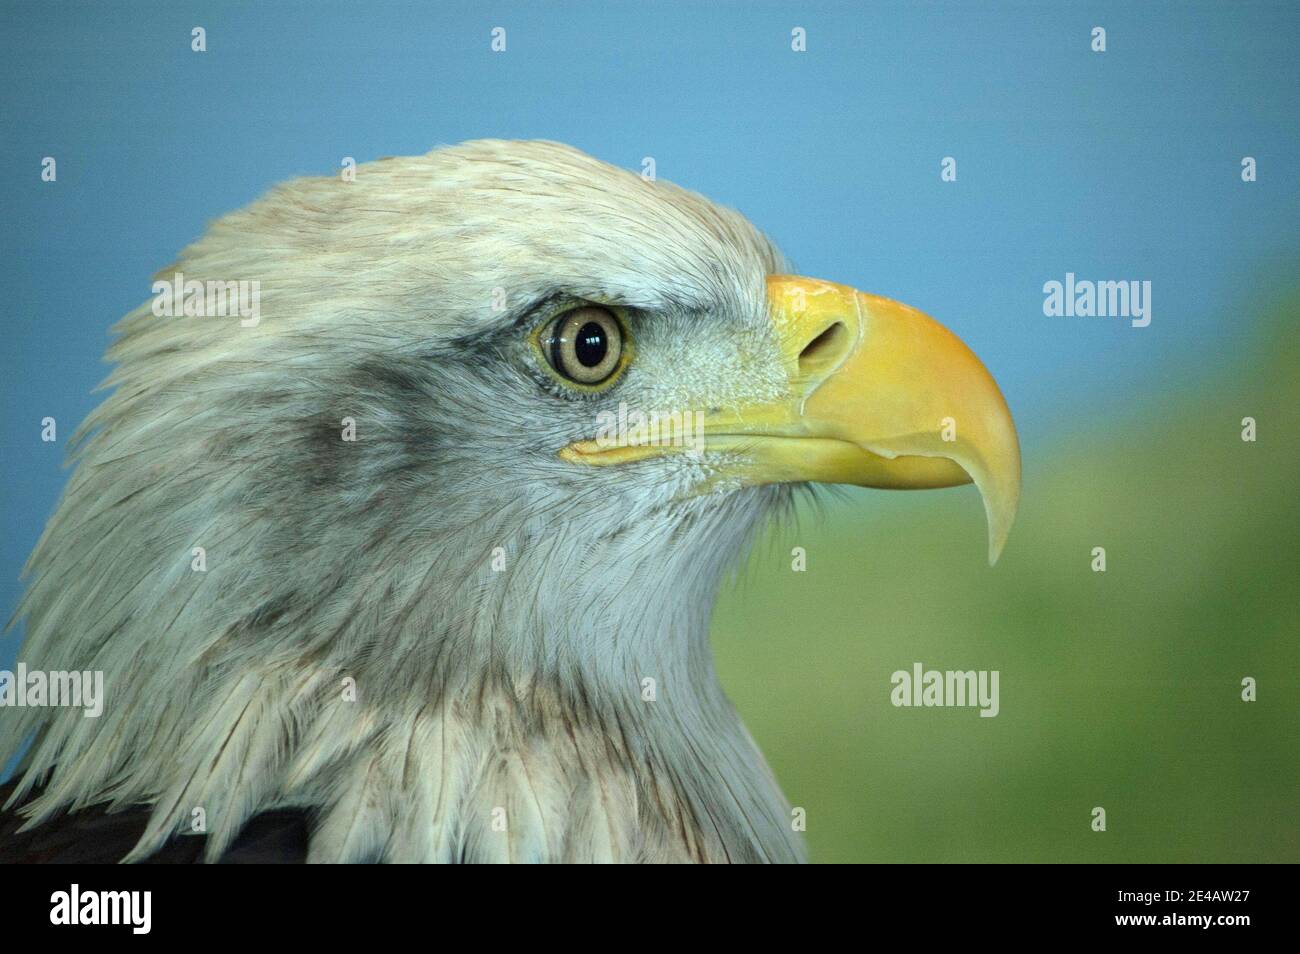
column 94, row 836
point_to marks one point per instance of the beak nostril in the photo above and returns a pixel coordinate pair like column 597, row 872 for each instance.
column 824, row 352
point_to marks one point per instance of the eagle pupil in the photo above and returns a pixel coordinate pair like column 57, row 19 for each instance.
column 590, row 345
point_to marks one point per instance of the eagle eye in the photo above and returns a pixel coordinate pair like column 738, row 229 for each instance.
column 585, row 346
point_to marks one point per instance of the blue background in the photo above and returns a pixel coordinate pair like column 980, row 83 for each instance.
column 1122, row 165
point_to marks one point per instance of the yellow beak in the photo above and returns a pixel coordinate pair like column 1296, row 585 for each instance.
column 881, row 396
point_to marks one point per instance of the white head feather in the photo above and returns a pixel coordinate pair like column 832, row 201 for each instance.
column 481, row 696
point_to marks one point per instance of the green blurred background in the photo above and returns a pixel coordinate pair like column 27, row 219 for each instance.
column 1119, row 689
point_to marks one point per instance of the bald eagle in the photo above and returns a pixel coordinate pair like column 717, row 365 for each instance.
column 371, row 577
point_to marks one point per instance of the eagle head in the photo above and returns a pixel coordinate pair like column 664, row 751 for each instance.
column 427, row 546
